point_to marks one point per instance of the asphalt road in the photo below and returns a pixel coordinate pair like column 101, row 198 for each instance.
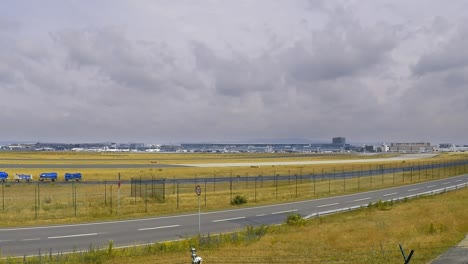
column 68, row 238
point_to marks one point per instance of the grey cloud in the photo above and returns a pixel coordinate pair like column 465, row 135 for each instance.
column 238, row 75
column 452, row 55
column 338, row 51
column 346, row 75
column 110, row 52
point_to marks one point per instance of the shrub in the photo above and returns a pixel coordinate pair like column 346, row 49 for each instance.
column 255, row 233
column 238, row 200
column 295, row 220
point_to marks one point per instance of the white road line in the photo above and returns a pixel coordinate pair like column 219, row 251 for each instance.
column 458, row 180
column 362, row 199
column 228, row 219
column 430, row 186
column 325, row 205
column 31, row 239
column 412, row 190
column 446, row 183
column 261, row 215
column 78, row 235
column 388, row 194
column 283, row 212
column 158, row 227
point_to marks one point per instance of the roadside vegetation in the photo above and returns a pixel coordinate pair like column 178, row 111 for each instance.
column 368, row 235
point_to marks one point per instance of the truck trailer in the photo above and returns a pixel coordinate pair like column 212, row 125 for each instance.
column 73, row 176
column 23, row 177
column 52, row 176
column 3, row 176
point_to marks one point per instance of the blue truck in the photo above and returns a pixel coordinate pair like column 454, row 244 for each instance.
column 23, row 177
column 73, row 176
column 52, row 176
column 3, row 176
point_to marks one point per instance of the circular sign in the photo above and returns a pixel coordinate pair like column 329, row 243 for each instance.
column 198, row 190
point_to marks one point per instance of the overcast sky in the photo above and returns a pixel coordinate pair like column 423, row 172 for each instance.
column 170, row 71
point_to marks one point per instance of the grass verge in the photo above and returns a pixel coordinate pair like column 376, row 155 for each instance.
column 429, row 225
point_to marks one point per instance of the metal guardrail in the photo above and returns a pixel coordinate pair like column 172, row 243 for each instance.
column 356, row 207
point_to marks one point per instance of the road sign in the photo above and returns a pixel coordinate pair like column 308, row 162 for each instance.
column 198, row 190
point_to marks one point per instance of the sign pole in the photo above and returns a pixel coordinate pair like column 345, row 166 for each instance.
column 198, row 191
column 118, row 197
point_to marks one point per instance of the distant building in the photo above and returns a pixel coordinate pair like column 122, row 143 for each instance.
column 339, row 140
column 446, row 146
column 385, row 147
column 411, row 147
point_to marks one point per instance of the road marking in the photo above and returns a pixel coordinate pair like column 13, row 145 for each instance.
column 362, row 199
column 228, row 219
column 446, row 183
column 325, row 205
column 283, row 212
column 31, row 239
column 431, row 186
column 158, row 227
column 412, row 190
column 458, row 180
column 261, row 215
column 388, row 194
column 78, row 235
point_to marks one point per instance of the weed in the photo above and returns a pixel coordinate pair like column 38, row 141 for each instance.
column 295, row 220
column 239, row 200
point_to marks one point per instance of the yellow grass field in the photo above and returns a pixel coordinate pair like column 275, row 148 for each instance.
column 60, row 202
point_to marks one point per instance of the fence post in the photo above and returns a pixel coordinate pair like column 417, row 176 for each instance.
column 230, row 189
column 382, row 170
column 74, row 198
column 111, row 198
column 344, row 180
column 146, row 198
column 105, row 193
column 35, row 203
column 314, row 182
column 38, row 196
column 177, row 195
column 296, row 185
column 164, row 190
column 359, row 179
column 255, row 190
column 131, row 187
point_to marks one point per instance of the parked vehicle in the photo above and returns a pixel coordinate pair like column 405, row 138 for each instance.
column 23, row 177
column 73, row 176
column 3, row 176
column 52, row 176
